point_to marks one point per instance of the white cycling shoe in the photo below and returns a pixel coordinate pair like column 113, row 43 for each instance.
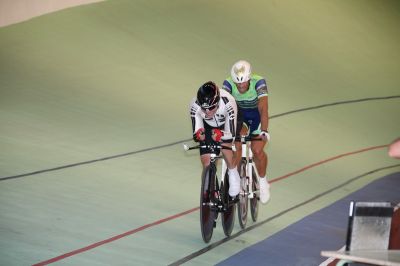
column 264, row 190
column 234, row 182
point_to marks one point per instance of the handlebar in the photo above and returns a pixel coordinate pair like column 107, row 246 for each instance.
column 248, row 138
column 204, row 145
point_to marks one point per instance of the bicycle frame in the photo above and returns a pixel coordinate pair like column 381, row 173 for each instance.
column 216, row 199
column 247, row 152
column 250, row 182
column 247, row 156
column 219, row 204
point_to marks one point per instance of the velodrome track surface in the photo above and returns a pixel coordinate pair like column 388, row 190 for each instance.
column 93, row 111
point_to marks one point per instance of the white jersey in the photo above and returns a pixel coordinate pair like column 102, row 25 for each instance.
column 225, row 115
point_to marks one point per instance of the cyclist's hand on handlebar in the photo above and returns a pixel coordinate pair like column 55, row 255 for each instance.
column 265, row 135
column 200, row 134
column 216, row 134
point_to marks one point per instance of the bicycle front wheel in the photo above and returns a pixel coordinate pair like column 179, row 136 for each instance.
column 228, row 216
column 254, row 200
column 243, row 195
column 207, row 213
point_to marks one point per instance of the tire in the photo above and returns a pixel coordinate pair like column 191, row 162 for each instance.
column 207, row 214
column 228, row 216
column 243, row 196
column 255, row 199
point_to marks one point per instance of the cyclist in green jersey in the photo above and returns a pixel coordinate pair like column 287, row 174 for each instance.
column 251, row 95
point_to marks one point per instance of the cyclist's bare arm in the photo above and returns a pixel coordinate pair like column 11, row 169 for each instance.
column 263, row 109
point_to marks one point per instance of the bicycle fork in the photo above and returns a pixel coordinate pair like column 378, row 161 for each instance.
column 215, row 195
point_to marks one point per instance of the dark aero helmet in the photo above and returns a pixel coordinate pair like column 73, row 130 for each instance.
column 208, row 95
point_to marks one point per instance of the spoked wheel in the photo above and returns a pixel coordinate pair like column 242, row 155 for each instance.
column 243, row 196
column 207, row 213
column 228, row 216
column 254, row 200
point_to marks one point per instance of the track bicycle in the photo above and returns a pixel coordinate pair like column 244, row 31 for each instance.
column 214, row 196
column 249, row 182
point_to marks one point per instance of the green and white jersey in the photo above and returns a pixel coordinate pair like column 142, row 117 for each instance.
column 249, row 99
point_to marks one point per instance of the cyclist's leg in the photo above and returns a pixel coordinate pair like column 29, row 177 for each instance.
column 259, row 155
column 238, row 152
column 205, row 153
column 205, row 159
column 260, row 159
column 234, row 178
column 229, row 158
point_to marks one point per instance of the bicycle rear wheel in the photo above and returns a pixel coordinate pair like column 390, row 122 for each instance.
column 207, row 213
column 243, row 195
column 254, row 200
column 228, row 216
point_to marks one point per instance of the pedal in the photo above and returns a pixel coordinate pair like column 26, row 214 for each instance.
column 215, row 224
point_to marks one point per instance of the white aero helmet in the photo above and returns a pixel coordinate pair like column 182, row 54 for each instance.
column 241, row 71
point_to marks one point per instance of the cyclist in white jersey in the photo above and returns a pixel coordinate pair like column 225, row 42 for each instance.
column 214, row 114
column 251, row 94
